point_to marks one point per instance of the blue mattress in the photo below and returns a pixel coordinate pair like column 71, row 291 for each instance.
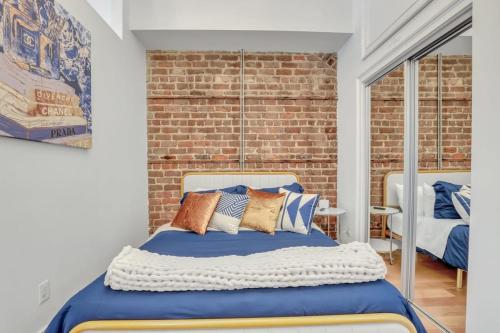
column 97, row 302
column 457, row 248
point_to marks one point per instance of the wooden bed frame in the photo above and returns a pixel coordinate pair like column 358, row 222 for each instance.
column 243, row 323
column 354, row 323
column 385, row 231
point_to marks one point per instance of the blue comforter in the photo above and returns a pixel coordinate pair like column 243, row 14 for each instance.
column 97, row 302
column 457, row 247
column 456, row 253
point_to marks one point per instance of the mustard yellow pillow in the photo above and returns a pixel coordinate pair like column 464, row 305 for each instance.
column 262, row 211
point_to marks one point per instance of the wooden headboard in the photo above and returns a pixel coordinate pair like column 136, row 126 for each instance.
column 192, row 181
column 424, row 176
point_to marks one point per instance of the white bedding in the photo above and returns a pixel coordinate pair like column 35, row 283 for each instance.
column 432, row 234
column 168, row 227
column 140, row 270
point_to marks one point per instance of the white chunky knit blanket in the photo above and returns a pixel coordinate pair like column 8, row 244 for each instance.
column 140, row 270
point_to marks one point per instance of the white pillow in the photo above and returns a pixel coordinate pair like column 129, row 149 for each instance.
column 297, row 212
column 429, row 200
column 229, row 212
column 420, row 197
column 462, row 202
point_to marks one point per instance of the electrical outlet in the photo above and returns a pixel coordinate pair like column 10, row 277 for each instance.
column 43, row 291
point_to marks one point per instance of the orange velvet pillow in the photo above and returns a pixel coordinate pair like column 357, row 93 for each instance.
column 196, row 212
column 262, row 210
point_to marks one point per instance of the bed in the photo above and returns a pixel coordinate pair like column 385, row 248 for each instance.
column 452, row 249
column 363, row 307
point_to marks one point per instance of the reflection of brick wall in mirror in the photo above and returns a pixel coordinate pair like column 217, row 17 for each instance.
column 387, row 121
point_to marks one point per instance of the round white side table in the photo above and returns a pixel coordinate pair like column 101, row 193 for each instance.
column 330, row 211
column 386, row 211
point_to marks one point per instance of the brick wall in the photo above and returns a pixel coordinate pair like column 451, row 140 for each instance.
column 194, row 119
column 387, row 121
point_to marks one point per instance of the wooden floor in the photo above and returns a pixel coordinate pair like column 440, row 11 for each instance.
column 435, row 292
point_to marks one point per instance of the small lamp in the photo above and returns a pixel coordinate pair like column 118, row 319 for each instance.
column 324, row 204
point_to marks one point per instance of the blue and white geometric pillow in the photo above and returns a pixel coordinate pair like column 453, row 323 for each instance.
column 461, row 202
column 229, row 212
column 297, row 212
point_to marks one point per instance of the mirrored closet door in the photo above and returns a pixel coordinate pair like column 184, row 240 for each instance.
column 420, row 191
column 386, row 164
column 443, row 182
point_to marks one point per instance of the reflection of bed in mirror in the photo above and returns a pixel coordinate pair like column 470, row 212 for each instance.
column 445, row 239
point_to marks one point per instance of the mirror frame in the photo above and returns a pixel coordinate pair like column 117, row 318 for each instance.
column 444, row 29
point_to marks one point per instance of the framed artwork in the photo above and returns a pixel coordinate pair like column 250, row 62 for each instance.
column 45, row 74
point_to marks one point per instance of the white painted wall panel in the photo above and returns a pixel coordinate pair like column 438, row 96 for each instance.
column 483, row 304
column 65, row 212
column 111, row 11
column 257, row 25
column 380, row 14
column 255, row 15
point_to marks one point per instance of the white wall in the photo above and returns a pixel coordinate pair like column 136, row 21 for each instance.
column 257, row 25
column 261, row 41
column 111, row 12
column 348, row 63
column 380, row 15
column 255, row 15
column 65, row 212
column 483, row 303
column 350, row 66
column 102, row 7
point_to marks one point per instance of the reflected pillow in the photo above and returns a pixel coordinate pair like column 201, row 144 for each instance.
column 229, row 212
column 297, row 212
column 429, row 200
column 262, row 211
column 196, row 212
column 420, row 198
column 443, row 206
column 461, row 202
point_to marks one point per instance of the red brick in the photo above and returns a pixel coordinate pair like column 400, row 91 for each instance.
column 290, row 119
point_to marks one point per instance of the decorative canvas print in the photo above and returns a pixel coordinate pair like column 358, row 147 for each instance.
column 45, row 85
